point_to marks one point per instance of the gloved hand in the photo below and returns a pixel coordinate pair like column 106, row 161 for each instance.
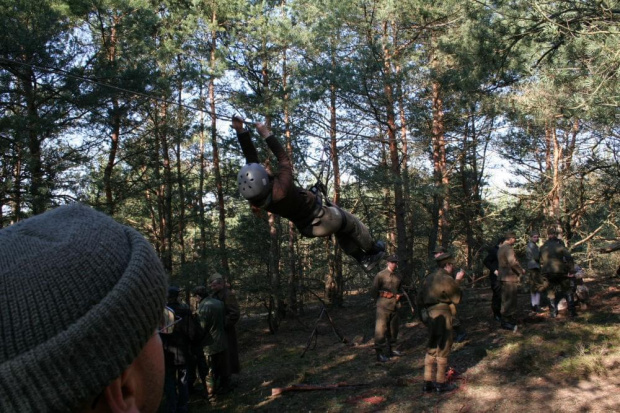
column 263, row 130
column 237, row 124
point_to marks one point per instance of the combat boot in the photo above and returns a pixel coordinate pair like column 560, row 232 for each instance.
column 428, row 387
column 570, row 301
column 382, row 358
column 509, row 326
column 444, row 387
column 553, row 307
column 459, row 335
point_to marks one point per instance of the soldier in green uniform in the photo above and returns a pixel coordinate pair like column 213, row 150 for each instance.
column 211, row 317
column 439, row 295
column 385, row 289
column 232, row 314
column 556, row 263
column 509, row 272
column 460, row 334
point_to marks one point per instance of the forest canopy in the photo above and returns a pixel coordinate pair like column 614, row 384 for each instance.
column 399, row 108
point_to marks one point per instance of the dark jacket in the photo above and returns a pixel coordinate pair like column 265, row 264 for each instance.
column 231, row 316
column 211, row 316
column 490, row 261
column 186, row 332
column 287, row 200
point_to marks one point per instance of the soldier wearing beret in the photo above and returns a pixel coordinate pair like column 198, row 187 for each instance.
column 439, row 295
column 385, row 289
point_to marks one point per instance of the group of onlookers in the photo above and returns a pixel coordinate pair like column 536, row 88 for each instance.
column 550, row 272
column 201, row 348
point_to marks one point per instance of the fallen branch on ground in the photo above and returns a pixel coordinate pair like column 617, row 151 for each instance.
column 312, row 387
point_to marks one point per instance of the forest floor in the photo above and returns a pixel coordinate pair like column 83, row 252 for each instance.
column 548, row 365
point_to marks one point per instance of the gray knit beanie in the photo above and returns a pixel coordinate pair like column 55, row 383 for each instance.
column 80, row 296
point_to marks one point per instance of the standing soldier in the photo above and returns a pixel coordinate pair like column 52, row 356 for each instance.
column 177, row 344
column 439, row 295
column 211, row 316
column 534, row 279
column 556, row 263
column 490, row 261
column 459, row 332
column 385, row 289
column 197, row 361
column 509, row 272
column 232, row 314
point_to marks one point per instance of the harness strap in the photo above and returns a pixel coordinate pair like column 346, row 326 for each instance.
column 303, row 223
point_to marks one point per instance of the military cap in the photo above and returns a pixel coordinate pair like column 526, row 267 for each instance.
column 439, row 250
column 216, row 276
column 444, row 258
column 392, row 258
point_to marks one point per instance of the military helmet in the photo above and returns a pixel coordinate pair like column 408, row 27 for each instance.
column 253, row 181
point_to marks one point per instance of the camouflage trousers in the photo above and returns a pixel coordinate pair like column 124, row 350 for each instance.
column 559, row 289
column 537, row 282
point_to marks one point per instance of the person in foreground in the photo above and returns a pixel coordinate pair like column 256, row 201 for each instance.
column 439, row 295
column 277, row 193
column 81, row 298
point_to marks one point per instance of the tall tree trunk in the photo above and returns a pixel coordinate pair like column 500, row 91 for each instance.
column 34, row 162
column 399, row 202
column 159, row 227
column 115, row 120
column 556, row 192
column 334, row 285
column 440, row 232
column 167, row 194
column 201, row 176
column 410, row 217
column 292, row 234
column 180, row 180
column 274, row 223
column 216, row 158
column 115, row 124
column 17, row 183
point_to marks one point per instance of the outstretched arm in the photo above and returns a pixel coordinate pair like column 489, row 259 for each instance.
column 283, row 180
column 245, row 140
